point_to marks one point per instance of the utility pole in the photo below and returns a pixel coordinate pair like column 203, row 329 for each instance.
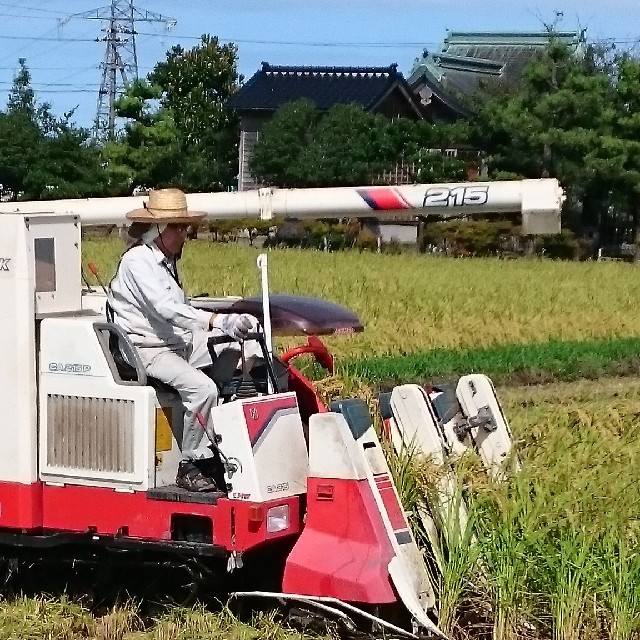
column 120, row 65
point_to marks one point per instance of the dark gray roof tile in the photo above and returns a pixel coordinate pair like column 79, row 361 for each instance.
column 273, row 86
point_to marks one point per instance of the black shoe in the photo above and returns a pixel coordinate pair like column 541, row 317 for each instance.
column 191, row 477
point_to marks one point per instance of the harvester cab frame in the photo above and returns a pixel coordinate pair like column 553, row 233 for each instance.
column 89, row 450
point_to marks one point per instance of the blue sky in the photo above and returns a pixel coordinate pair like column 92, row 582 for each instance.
column 64, row 59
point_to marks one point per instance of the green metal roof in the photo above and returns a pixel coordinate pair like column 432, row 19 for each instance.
column 468, row 57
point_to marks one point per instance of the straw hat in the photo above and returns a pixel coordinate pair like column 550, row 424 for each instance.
column 166, row 206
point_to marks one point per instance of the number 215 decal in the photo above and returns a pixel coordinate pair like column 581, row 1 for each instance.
column 456, row 197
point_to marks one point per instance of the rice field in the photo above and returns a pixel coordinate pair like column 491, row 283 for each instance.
column 557, row 553
column 556, row 556
column 414, row 303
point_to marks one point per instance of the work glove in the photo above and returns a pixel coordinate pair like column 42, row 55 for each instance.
column 237, row 326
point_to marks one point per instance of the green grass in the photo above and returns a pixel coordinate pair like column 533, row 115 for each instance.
column 518, row 321
column 557, row 552
column 51, row 619
column 512, row 364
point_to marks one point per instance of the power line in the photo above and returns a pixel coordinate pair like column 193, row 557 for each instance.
column 239, row 41
column 65, row 68
column 46, row 39
column 296, row 43
column 23, row 7
column 15, row 15
column 55, row 84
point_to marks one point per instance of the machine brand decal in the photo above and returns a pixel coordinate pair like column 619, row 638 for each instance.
column 68, row 367
column 456, row 197
column 341, row 330
column 261, row 416
column 386, row 199
column 4, row 264
column 278, row 488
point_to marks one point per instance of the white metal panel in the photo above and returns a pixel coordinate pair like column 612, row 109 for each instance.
column 418, row 427
column 332, row 453
column 69, row 346
column 478, row 400
column 18, row 425
column 228, row 423
column 274, row 466
column 64, row 234
column 541, row 200
column 80, row 383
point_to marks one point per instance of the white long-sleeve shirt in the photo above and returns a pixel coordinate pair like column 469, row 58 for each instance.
column 149, row 304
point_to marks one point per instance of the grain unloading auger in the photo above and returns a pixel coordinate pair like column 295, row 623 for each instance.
column 311, row 513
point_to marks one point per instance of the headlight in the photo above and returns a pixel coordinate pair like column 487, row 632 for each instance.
column 278, row 519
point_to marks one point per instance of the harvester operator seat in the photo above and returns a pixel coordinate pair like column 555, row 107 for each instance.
column 123, row 358
column 127, row 367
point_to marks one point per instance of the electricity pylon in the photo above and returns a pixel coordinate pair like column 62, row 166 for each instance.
column 120, row 65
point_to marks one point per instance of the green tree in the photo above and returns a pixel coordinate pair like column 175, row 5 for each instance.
column 22, row 98
column 147, row 153
column 280, row 154
column 569, row 118
column 422, row 147
column 42, row 156
column 20, row 135
column 302, row 147
column 350, row 146
column 67, row 165
column 195, row 86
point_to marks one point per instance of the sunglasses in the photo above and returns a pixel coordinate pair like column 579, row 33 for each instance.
column 180, row 227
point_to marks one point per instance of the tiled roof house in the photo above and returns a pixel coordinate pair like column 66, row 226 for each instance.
column 468, row 58
column 378, row 89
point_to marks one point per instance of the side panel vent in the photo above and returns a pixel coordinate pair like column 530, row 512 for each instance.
column 91, row 434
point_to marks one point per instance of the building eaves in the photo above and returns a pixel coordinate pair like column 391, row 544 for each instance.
column 272, row 86
column 510, row 38
column 464, row 63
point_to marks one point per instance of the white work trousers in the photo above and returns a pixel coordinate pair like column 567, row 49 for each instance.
column 199, row 393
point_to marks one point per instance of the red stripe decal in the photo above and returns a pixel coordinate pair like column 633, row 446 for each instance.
column 259, row 414
column 390, row 501
column 385, row 199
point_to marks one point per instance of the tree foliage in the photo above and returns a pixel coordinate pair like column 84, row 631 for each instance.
column 42, row 156
column 195, row 87
column 147, row 153
column 179, row 132
column 572, row 117
column 279, row 157
column 304, row 147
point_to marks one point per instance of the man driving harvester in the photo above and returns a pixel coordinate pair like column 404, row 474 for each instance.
column 172, row 337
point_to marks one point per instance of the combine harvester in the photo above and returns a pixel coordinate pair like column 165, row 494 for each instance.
column 311, row 515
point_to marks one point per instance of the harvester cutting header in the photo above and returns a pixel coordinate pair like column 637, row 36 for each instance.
column 308, row 511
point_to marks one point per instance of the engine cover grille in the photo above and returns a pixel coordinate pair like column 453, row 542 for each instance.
column 90, row 434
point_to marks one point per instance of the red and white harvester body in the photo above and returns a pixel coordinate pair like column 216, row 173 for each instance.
column 89, row 454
